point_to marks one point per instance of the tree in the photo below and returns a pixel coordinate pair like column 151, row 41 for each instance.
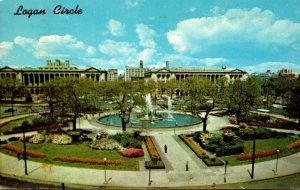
column 244, row 95
column 200, row 95
column 70, row 97
column 10, row 88
column 127, row 96
column 293, row 104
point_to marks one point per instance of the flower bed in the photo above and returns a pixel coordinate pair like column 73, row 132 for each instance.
column 133, row 152
column 154, row 155
column 257, row 155
column 88, row 160
column 21, row 150
column 196, row 149
column 293, row 145
column 3, row 123
column 278, row 126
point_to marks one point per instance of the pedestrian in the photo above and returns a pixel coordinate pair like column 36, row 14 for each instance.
column 166, row 148
column 187, row 166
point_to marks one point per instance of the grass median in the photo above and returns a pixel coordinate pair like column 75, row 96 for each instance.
column 79, row 150
column 261, row 146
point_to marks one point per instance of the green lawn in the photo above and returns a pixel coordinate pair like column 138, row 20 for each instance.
column 18, row 122
column 264, row 145
column 80, row 150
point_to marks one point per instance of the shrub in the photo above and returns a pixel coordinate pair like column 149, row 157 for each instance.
column 101, row 134
column 21, row 150
column 88, row 160
column 213, row 162
column 230, row 149
column 293, row 145
column 154, row 155
column 154, row 165
column 13, row 139
column 128, row 140
column 246, row 133
column 3, row 141
column 258, row 154
column 211, row 147
column 106, row 144
column 79, row 135
column 133, row 152
column 41, row 121
column 196, row 149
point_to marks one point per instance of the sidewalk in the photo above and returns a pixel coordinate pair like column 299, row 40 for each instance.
column 175, row 174
column 53, row 174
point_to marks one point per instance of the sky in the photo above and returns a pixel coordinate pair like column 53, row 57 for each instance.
column 254, row 36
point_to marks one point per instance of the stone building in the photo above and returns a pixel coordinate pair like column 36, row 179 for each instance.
column 34, row 78
column 180, row 73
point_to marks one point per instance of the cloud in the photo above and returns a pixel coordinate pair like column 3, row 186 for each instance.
column 55, row 46
column 274, row 66
column 91, row 50
column 147, row 55
column 192, row 10
column 236, row 25
column 132, row 3
column 5, row 49
column 116, row 49
column 145, row 35
column 116, row 28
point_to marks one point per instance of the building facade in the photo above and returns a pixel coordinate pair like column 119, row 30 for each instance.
column 112, row 74
column 34, row 78
column 181, row 73
column 134, row 73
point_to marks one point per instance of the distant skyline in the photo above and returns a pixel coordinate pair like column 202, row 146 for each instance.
column 255, row 36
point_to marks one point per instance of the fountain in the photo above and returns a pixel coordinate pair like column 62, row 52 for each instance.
column 153, row 116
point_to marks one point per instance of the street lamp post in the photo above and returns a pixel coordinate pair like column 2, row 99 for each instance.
column 226, row 163
column 253, row 159
column 275, row 171
column 105, row 181
column 24, row 153
column 150, row 181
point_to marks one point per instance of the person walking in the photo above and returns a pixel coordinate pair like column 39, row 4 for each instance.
column 166, row 148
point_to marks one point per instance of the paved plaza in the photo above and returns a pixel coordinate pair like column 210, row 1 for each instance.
column 175, row 175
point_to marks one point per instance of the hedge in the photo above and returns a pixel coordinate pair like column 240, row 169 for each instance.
column 154, row 165
column 213, row 162
column 229, row 150
column 21, row 150
column 89, row 160
column 196, row 149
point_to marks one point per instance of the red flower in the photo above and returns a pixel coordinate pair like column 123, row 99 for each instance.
column 21, row 150
column 133, row 152
column 258, row 154
column 88, row 160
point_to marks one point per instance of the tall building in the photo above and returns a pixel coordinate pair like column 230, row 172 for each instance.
column 112, row 74
column 34, row 78
column 135, row 73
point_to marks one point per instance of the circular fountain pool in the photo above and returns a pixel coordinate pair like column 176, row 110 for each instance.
column 167, row 120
